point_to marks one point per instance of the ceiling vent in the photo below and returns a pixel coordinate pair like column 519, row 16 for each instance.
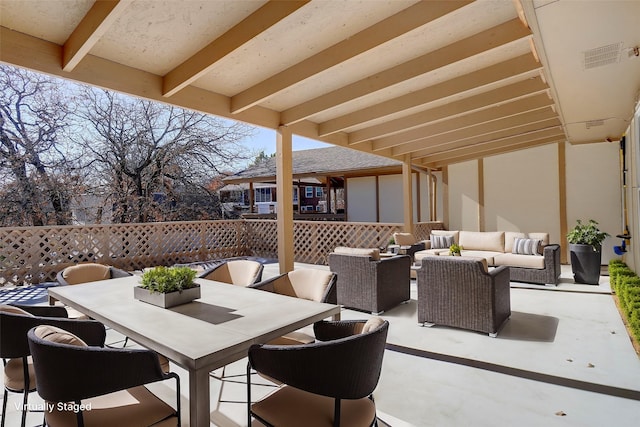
column 594, row 123
column 603, row 55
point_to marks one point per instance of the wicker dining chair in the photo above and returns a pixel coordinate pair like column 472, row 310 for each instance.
column 73, row 375
column 327, row 383
column 240, row 272
column 89, row 272
column 15, row 322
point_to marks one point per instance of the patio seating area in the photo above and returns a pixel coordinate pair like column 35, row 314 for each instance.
column 564, row 357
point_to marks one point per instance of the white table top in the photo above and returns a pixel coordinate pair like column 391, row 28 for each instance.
column 225, row 321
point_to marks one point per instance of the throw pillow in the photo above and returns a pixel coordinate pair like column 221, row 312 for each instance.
column 526, row 246
column 440, row 242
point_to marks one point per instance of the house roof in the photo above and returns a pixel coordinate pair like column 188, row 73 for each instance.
column 439, row 82
column 334, row 161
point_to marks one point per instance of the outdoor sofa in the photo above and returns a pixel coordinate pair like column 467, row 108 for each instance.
column 531, row 258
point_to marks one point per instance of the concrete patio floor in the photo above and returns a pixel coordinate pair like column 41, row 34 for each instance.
column 564, row 358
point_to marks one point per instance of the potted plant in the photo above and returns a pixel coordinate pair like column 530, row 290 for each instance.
column 167, row 286
column 585, row 246
column 454, row 250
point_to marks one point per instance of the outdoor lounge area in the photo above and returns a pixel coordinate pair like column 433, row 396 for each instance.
column 564, row 357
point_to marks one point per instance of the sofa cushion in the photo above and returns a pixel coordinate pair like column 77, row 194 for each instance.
column 526, row 246
column 374, row 253
column 486, row 255
column 544, row 237
column 429, row 252
column 482, row 240
column 455, row 234
column 515, row 260
column 509, row 237
column 440, row 242
column 404, row 239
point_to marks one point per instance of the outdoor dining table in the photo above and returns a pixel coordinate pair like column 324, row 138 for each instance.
column 200, row 336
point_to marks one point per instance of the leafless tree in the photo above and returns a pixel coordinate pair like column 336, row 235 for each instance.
column 34, row 170
column 154, row 160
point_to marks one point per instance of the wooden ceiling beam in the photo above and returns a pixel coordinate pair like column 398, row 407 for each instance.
column 249, row 28
column 402, row 22
column 89, row 31
column 553, row 132
column 502, row 134
column 476, row 118
column 484, row 41
column 489, row 75
column 497, row 150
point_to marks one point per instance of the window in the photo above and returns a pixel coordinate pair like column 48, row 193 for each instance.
column 308, row 192
column 263, row 195
column 319, row 192
column 295, row 195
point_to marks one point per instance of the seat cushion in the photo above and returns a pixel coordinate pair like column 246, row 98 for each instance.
column 83, row 273
column 128, row 408
column 14, row 375
column 515, row 260
column 237, row 272
column 58, row 335
column 374, row 253
column 293, row 338
column 429, row 252
column 288, row 406
column 488, row 256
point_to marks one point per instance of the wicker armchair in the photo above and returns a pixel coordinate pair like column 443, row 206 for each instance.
column 240, row 272
column 88, row 272
column 408, row 243
column 327, row 383
column 110, row 384
column 371, row 284
column 15, row 322
column 459, row 292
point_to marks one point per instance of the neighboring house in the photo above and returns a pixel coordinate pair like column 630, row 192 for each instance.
column 332, row 181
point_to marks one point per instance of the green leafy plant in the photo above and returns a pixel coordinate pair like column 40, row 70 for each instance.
column 168, row 279
column 587, row 234
column 455, row 249
column 392, row 241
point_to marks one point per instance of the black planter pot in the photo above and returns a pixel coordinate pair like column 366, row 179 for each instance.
column 585, row 263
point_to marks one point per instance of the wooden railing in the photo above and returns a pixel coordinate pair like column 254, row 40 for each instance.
column 30, row 255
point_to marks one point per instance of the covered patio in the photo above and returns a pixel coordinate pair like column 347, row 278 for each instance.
column 516, row 108
column 563, row 358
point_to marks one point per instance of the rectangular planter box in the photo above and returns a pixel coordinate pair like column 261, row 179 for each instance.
column 166, row 300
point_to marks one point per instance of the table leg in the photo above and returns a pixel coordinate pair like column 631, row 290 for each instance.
column 199, row 406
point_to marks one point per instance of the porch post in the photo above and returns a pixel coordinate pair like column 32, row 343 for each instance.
column 407, row 194
column 284, row 188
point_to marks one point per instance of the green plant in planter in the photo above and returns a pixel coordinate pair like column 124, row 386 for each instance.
column 587, row 234
column 455, row 249
column 392, row 241
column 165, row 280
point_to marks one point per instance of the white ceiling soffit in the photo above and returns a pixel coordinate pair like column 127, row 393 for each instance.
column 433, row 82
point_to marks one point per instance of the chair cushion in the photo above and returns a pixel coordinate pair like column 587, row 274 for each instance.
column 14, row 310
column 374, row 253
column 404, row 239
column 372, row 324
column 515, row 260
column 291, row 406
column 309, row 283
column 83, row 273
column 526, row 246
column 237, row 272
column 127, row 408
column 14, row 375
column 58, row 335
column 293, row 338
column 440, row 242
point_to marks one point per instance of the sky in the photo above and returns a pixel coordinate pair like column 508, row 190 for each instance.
column 265, row 140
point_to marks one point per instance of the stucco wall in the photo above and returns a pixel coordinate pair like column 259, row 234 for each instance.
column 361, row 199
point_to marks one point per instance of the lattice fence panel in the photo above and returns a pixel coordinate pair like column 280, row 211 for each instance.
column 423, row 229
column 262, row 237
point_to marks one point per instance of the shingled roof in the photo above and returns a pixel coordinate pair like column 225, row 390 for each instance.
column 321, row 161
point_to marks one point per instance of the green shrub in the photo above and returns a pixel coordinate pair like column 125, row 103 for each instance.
column 626, row 284
column 629, row 293
column 168, row 279
column 620, row 277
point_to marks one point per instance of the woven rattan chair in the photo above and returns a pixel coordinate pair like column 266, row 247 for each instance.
column 88, row 272
column 368, row 283
column 460, row 292
column 240, row 272
column 307, row 283
column 327, row 383
column 73, row 375
column 15, row 322
column 408, row 243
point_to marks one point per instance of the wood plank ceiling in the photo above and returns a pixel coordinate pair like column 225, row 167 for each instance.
column 430, row 82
